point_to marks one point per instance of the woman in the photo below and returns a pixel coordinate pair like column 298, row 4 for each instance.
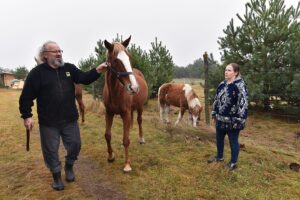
column 229, row 113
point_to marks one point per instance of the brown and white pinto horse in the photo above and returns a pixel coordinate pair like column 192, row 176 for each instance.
column 179, row 95
column 125, row 90
column 78, row 94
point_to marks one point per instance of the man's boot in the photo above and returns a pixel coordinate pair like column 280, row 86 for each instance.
column 57, row 182
column 70, row 176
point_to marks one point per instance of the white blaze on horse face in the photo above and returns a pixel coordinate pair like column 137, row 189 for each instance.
column 195, row 120
column 124, row 58
column 193, row 103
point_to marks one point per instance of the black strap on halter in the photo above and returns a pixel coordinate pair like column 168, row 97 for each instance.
column 117, row 73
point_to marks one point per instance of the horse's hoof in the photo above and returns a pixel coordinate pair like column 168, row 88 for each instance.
column 111, row 159
column 142, row 141
column 127, row 168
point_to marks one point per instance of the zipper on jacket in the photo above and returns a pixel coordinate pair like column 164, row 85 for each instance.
column 59, row 82
column 61, row 96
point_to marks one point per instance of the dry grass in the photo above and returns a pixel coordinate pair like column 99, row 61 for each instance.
column 171, row 165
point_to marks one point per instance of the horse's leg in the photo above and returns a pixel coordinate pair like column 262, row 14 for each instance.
column 126, row 117
column 161, row 111
column 167, row 110
column 180, row 115
column 78, row 96
column 81, row 109
column 139, row 120
column 109, row 120
column 131, row 117
column 194, row 119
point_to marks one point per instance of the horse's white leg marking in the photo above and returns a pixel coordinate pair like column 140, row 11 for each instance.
column 142, row 140
column 127, row 168
column 195, row 117
column 178, row 118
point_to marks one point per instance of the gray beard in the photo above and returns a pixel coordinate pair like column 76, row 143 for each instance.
column 58, row 63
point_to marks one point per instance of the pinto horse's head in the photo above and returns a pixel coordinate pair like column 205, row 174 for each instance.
column 195, row 113
column 120, row 64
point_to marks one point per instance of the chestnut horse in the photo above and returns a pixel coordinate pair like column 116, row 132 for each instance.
column 125, row 90
column 182, row 96
column 78, row 94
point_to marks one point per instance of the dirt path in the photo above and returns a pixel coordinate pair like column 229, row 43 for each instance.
column 91, row 178
column 93, row 181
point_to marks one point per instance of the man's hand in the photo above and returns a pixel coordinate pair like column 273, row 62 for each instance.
column 28, row 123
column 102, row 67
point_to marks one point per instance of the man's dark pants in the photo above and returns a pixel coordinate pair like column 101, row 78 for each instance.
column 50, row 140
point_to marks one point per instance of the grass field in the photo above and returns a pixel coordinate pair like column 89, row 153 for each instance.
column 171, row 165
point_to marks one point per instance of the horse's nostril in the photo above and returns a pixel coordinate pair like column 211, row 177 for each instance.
column 133, row 89
column 129, row 88
column 136, row 89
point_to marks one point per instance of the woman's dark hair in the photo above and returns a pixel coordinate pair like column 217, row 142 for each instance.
column 236, row 68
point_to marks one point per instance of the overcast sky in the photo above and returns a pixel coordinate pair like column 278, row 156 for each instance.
column 188, row 28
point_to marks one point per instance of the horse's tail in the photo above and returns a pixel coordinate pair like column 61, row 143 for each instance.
column 159, row 98
column 159, row 101
column 158, row 94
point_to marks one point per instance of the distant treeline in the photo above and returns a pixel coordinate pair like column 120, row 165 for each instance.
column 195, row 70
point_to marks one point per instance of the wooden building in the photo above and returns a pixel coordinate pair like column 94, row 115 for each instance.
column 6, row 78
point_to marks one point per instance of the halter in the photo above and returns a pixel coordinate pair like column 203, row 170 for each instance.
column 117, row 73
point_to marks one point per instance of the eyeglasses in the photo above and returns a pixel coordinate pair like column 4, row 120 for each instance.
column 55, row 51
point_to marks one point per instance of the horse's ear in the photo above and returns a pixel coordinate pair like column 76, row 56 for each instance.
column 126, row 42
column 108, row 45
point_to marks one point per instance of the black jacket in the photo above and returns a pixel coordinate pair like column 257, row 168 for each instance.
column 55, row 93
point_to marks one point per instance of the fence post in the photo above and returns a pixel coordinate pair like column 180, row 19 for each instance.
column 206, row 101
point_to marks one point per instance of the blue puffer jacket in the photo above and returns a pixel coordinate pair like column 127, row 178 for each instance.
column 231, row 105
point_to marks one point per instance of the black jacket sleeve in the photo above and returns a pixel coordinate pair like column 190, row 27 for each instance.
column 84, row 77
column 29, row 93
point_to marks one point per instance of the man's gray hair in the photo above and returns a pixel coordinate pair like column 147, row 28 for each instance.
column 40, row 58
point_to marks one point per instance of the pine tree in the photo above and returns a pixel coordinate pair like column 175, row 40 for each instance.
column 162, row 62
column 267, row 46
column 21, row 72
column 140, row 60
